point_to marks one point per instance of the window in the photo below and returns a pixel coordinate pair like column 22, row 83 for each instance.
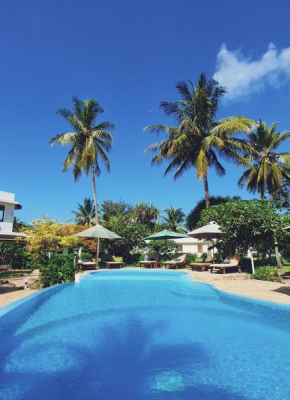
column 2, row 208
column 199, row 248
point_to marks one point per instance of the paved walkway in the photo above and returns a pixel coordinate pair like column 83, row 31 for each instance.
column 232, row 283
column 14, row 289
column 241, row 284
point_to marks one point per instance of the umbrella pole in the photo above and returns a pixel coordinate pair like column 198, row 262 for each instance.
column 97, row 253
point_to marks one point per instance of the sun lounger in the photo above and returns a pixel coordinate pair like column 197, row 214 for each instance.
column 151, row 262
column 229, row 263
column 112, row 262
column 179, row 261
column 202, row 265
column 87, row 264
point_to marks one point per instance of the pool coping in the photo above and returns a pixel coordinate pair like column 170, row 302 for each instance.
column 276, row 305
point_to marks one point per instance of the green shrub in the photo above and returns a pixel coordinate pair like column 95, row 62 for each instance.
column 135, row 258
column 87, row 256
column 16, row 256
column 163, row 247
column 60, row 268
column 190, row 258
column 267, row 274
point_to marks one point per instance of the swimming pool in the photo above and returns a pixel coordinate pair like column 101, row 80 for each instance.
column 144, row 335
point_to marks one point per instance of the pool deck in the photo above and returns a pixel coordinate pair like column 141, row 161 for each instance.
column 235, row 283
column 242, row 285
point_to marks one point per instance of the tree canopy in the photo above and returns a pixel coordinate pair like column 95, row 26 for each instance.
column 194, row 215
column 249, row 223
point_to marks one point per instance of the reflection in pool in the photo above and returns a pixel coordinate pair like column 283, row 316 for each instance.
column 144, row 335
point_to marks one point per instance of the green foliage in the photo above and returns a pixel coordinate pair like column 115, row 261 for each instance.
column 146, row 214
column 58, row 269
column 173, row 220
column 266, row 168
column 163, row 248
column 267, row 274
column 132, row 239
column 87, row 256
column 249, row 223
column 89, row 142
column 198, row 140
column 116, row 209
column 85, row 214
column 194, row 215
column 135, row 258
column 190, row 258
column 16, row 256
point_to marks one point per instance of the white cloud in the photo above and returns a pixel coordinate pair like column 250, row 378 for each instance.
column 242, row 76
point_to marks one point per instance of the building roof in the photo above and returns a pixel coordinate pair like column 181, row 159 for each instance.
column 6, row 201
column 11, row 236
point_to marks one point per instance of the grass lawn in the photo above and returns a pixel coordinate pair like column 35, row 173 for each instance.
column 13, row 274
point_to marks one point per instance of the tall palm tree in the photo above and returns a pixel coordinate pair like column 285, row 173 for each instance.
column 174, row 220
column 85, row 214
column 198, row 140
column 146, row 214
column 267, row 169
column 89, row 142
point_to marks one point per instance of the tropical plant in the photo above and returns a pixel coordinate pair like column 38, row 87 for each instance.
column 19, row 225
column 193, row 217
column 132, row 239
column 49, row 236
column 199, row 140
column 89, row 143
column 16, row 256
column 163, row 247
column 249, row 224
column 267, row 273
column 266, row 168
column 146, row 214
column 60, row 268
column 85, row 214
column 116, row 209
column 173, row 220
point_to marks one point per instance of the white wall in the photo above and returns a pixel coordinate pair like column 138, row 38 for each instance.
column 5, row 199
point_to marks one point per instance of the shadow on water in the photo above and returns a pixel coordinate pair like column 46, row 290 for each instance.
column 127, row 365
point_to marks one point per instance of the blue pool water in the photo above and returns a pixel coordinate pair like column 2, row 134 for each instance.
column 138, row 335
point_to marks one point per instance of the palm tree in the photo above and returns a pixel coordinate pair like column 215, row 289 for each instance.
column 146, row 214
column 85, row 214
column 89, row 142
column 199, row 140
column 174, row 220
column 267, row 169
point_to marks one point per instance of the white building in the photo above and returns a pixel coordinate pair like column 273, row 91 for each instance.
column 191, row 245
column 7, row 207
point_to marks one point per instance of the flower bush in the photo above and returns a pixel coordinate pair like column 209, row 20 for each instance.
column 267, row 274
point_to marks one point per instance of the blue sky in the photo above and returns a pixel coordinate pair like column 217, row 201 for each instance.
column 129, row 55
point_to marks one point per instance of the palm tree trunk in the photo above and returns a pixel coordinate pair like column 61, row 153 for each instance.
column 96, row 211
column 277, row 255
column 206, row 190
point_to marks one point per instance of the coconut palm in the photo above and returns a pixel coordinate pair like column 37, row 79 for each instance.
column 85, row 214
column 267, row 169
column 199, row 140
column 146, row 214
column 89, row 142
column 174, row 220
